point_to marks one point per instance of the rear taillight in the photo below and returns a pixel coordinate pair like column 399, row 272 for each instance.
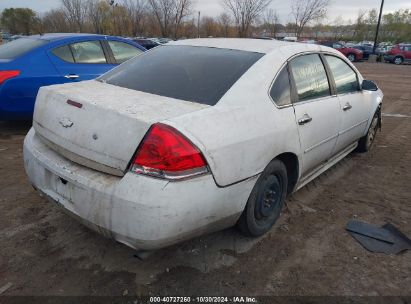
column 4, row 75
column 166, row 153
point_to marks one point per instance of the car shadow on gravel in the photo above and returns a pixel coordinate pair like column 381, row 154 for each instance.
column 9, row 128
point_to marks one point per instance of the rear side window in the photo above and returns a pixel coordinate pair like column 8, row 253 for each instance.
column 345, row 78
column 123, row 51
column 310, row 77
column 16, row 48
column 88, row 52
column 64, row 53
column 280, row 92
column 197, row 74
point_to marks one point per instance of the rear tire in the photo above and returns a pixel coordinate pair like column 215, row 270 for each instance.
column 266, row 200
column 365, row 143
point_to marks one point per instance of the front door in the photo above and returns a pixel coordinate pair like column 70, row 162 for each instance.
column 316, row 111
column 354, row 108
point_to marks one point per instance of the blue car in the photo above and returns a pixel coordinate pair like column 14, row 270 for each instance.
column 31, row 62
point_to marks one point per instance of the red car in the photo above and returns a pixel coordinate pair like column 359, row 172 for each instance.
column 399, row 54
column 351, row 53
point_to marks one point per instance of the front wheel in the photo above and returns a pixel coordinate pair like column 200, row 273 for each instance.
column 351, row 57
column 365, row 143
column 398, row 60
column 266, row 200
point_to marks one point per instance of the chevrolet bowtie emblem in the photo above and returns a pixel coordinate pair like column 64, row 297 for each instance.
column 66, row 123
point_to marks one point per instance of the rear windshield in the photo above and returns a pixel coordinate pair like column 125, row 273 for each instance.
column 16, row 48
column 197, row 74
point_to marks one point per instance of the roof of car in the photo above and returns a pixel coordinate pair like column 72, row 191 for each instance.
column 58, row 36
column 250, row 45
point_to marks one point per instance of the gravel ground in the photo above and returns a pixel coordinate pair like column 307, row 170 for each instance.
column 308, row 252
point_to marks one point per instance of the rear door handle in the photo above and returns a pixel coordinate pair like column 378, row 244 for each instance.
column 347, row 107
column 72, row 76
column 304, row 120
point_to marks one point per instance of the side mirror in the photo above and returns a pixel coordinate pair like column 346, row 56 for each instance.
column 368, row 85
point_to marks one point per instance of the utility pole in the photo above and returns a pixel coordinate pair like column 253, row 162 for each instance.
column 378, row 27
column 198, row 24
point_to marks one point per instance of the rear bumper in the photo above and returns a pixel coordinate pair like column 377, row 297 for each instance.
column 13, row 104
column 139, row 211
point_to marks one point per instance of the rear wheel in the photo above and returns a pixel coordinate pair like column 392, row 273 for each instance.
column 266, row 200
column 351, row 57
column 365, row 143
column 398, row 60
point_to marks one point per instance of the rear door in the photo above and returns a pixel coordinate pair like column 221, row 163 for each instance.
column 353, row 107
column 82, row 60
column 316, row 111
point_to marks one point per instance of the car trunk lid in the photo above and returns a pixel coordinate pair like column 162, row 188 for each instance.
column 100, row 125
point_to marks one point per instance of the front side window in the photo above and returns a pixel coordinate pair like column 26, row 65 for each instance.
column 345, row 78
column 280, row 92
column 123, row 51
column 88, row 52
column 310, row 77
column 197, row 74
column 337, row 46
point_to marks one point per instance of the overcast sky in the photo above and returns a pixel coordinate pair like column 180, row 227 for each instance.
column 347, row 9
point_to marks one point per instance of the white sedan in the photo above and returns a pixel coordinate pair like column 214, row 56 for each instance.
column 198, row 135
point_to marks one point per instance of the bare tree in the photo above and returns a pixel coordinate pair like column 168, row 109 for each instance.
column 137, row 11
column 169, row 14
column 306, row 11
column 55, row 21
column 271, row 21
column 120, row 20
column 182, row 9
column 245, row 12
column 224, row 21
column 359, row 25
column 76, row 11
column 98, row 12
column 338, row 28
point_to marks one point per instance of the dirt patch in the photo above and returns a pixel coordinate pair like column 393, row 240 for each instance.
column 45, row 252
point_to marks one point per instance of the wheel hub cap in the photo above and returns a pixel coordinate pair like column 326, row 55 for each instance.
column 270, row 197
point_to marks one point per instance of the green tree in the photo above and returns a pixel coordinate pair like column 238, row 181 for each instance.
column 19, row 20
column 397, row 26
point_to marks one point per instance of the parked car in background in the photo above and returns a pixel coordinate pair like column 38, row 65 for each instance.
column 5, row 37
column 367, row 43
column 15, row 37
column 290, row 39
column 367, row 50
column 350, row 44
column 31, row 62
column 399, row 54
column 351, row 53
column 152, row 153
column 147, row 43
column 164, row 40
column 381, row 50
column 308, row 41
